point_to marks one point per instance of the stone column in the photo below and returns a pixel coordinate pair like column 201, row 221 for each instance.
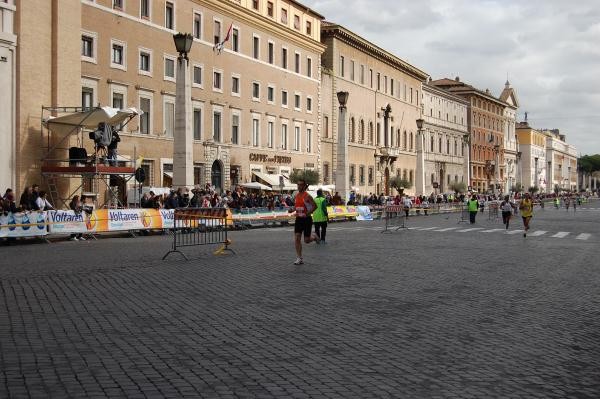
column 183, row 157
column 342, row 185
column 420, row 177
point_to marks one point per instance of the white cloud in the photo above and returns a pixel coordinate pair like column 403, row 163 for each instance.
column 548, row 48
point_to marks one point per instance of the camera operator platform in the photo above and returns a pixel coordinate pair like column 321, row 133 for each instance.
column 81, row 143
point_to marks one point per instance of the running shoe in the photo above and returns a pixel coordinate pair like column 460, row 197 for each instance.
column 299, row 261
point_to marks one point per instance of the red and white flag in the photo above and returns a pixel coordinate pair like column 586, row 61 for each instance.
column 219, row 46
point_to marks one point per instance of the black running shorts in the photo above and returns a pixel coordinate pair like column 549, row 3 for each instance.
column 303, row 225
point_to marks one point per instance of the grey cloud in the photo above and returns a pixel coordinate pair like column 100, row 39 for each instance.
column 548, row 48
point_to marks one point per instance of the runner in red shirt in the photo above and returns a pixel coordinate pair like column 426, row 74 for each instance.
column 304, row 207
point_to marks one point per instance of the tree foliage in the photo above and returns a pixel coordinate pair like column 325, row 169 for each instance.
column 400, row 184
column 589, row 163
column 309, row 176
column 517, row 188
column 533, row 189
column 458, row 187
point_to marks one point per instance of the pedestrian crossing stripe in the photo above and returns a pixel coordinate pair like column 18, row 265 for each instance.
column 491, row 231
column 538, row 233
column 447, row 229
column 515, row 231
column 583, row 236
column 471, row 229
column 561, row 234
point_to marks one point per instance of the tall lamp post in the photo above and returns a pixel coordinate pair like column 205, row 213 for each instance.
column 420, row 177
column 183, row 157
column 341, row 174
column 497, row 167
column 467, row 143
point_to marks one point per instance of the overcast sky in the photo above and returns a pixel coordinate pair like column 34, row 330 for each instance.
column 549, row 49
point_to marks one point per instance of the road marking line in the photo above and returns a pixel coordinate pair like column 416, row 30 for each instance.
column 515, row 231
column 561, row 234
column 538, row 233
column 583, row 236
column 471, row 229
column 491, row 231
column 429, row 228
column 447, row 229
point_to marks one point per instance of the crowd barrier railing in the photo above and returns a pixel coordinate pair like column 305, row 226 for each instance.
column 200, row 226
column 394, row 213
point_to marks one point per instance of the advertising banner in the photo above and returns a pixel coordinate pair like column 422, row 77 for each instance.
column 364, row 213
column 342, row 211
column 66, row 222
column 27, row 224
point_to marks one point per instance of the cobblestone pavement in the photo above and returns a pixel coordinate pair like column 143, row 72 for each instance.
column 412, row 314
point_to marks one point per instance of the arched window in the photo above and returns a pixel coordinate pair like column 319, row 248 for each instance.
column 371, row 133
column 361, row 137
column 352, row 130
column 404, row 141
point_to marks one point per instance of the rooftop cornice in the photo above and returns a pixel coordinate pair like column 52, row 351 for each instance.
column 349, row 37
column 240, row 13
column 445, row 93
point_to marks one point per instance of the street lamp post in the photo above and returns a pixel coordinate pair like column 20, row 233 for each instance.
column 467, row 142
column 183, row 157
column 341, row 175
column 497, row 167
column 420, row 177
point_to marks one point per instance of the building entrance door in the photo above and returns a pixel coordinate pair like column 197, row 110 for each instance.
column 216, row 176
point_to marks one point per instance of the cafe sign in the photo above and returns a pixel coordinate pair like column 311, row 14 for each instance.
column 267, row 159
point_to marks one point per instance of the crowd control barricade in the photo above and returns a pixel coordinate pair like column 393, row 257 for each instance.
column 493, row 211
column 200, row 226
column 395, row 218
column 464, row 214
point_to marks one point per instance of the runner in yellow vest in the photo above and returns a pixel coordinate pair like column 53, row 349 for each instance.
column 320, row 216
column 526, row 207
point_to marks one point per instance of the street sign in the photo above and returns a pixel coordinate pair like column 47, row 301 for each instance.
column 436, row 185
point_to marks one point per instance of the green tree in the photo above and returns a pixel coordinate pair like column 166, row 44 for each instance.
column 400, row 184
column 533, row 189
column 517, row 188
column 309, row 176
column 458, row 187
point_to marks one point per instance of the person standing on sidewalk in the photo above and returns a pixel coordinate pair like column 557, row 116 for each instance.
column 507, row 208
column 526, row 207
column 304, row 207
column 473, row 206
column 320, row 216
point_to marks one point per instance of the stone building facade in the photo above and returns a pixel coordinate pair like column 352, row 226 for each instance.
column 511, row 147
column 532, row 146
column 486, row 126
column 383, row 106
column 8, row 79
column 255, row 104
column 445, row 145
column 561, row 159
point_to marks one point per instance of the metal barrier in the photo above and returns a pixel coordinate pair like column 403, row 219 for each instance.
column 464, row 214
column 493, row 212
column 200, row 226
column 392, row 212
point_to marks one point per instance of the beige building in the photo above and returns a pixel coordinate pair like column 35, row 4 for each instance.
column 383, row 106
column 445, row 144
column 8, row 46
column 511, row 150
column 561, row 159
column 255, row 104
column 532, row 146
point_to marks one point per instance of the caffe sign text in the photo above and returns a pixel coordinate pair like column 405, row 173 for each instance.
column 274, row 159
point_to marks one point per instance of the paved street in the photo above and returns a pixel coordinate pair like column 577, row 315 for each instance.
column 440, row 310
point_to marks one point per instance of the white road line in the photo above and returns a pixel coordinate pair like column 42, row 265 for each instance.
column 471, row 229
column 429, row 228
column 538, row 233
column 447, row 229
column 492, row 230
column 583, row 236
column 515, row 231
column 561, row 234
